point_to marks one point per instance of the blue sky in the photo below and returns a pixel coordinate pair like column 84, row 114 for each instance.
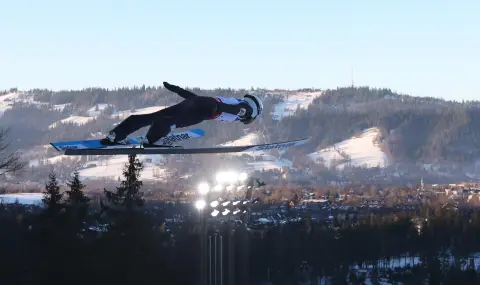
column 423, row 48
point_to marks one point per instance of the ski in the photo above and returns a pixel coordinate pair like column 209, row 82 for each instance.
column 180, row 150
column 130, row 142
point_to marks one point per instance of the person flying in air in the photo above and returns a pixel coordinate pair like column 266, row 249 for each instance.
column 191, row 111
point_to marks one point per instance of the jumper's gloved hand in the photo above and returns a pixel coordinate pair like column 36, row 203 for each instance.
column 173, row 88
column 179, row 90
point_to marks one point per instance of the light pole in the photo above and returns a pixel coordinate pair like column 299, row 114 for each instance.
column 200, row 206
column 215, row 201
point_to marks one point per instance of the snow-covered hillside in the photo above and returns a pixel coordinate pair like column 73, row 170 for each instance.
column 263, row 160
column 97, row 109
column 248, row 139
column 77, row 120
column 359, row 151
column 292, row 101
column 112, row 168
column 6, row 101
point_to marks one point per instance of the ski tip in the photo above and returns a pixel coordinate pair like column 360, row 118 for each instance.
column 199, row 132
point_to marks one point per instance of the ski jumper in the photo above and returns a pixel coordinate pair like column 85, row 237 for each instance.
column 191, row 111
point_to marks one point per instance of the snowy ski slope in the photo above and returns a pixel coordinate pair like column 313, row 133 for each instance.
column 356, row 151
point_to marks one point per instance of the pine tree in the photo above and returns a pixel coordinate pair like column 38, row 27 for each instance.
column 123, row 205
column 77, row 203
column 76, row 198
column 128, row 195
column 52, row 197
column 130, row 242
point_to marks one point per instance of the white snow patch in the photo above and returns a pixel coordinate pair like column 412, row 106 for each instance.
column 248, row 139
column 52, row 160
column 266, row 162
column 34, row 163
column 77, row 120
column 97, row 109
column 6, row 101
column 112, row 168
column 60, row 107
column 292, row 101
column 23, row 198
column 61, row 158
column 359, row 151
column 269, row 165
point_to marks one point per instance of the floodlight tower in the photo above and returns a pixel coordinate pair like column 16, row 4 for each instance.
column 214, row 204
column 200, row 205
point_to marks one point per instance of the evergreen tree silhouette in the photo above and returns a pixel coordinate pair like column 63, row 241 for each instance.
column 76, row 204
column 127, row 198
column 131, row 248
column 52, row 197
column 50, row 243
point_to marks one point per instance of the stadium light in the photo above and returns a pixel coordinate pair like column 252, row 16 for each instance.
column 227, row 177
column 225, row 212
column 214, row 213
column 214, row 204
column 218, row 187
column 200, row 204
column 242, row 176
column 203, row 188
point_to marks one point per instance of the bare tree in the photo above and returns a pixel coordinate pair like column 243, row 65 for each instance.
column 9, row 161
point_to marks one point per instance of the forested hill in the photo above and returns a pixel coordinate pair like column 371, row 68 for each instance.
column 415, row 129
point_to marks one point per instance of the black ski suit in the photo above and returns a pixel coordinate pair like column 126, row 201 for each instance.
column 191, row 111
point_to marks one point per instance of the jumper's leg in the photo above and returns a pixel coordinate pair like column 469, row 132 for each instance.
column 159, row 129
column 128, row 126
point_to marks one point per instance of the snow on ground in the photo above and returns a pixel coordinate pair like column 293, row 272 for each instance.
column 60, row 107
column 78, row 120
column 248, row 139
column 6, row 101
column 34, row 163
column 251, row 138
column 60, row 158
column 269, row 164
column 292, row 101
column 52, row 160
column 23, row 198
column 363, row 151
column 267, row 161
column 97, row 109
column 112, row 168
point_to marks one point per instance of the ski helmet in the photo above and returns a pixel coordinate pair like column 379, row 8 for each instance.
column 256, row 103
